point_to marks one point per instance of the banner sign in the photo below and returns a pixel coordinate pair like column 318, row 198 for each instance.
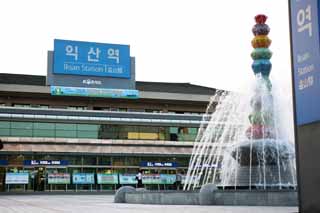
column 94, row 92
column 59, row 178
column 127, row 179
column 91, row 59
column 151, row 179
column 17, row 178
column 167, row 179
column 107, row 178
column 148, row 179
column 158, row 164
column 83, row 178
column 306, row 59
column 45, row 162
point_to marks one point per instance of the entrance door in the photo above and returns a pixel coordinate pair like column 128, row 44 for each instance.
column 2, row 178
column 39, row 179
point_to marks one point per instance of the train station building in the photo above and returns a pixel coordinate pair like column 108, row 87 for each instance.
column 93, row 126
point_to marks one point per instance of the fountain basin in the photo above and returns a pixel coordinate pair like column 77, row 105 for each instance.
column 262, row 151
column 262, row 164
column 217, row 197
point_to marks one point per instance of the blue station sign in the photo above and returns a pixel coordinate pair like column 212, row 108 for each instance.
column 3, row 163
column 91, row 59
column 45, row 162
column 158, row 164
column 306, row 59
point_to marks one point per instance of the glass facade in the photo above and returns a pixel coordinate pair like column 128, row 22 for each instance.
column 52, row 178
column 96, row 131
column 102, row 166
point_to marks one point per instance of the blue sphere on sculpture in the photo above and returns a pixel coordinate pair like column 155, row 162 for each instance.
column 262, row 66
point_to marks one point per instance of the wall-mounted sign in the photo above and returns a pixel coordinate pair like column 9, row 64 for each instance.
column 158, row 164
column 127, row 179
column 102, row 82
column 151, row 179
column 83, row 178
column 45, row 162
column 167, row 179
column 107, row 178
column 93, row 92
column 91, row 59
column 17, row 178
column 59, row 178
column 306, row 60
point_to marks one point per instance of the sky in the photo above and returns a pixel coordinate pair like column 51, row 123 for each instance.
column 203, row 42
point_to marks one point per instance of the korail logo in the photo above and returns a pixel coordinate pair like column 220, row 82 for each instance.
column 90, row 81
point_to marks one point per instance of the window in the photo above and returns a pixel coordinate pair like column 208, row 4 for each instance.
column 21, row 105
column 77, row 107
column 104, row 160
column 66, row 130
column 123, row 109
column 44, row 130
column 90, row 160
column 136, row 110
column 39, row 106
column 96, row 131
column 31, row 106
column 23, row 129
column 133, row 161
column 118, row 161
column 87, row 131
column 193, row 113
column 153, row 110
column 4, row 128
column 102, row 108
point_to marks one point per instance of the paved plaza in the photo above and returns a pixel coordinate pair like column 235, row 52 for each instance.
column 104, row 203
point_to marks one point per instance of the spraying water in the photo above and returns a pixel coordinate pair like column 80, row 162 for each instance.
column 241, row 142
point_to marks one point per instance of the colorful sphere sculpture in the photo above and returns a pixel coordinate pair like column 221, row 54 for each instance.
column 261, row 118
column 261, row 54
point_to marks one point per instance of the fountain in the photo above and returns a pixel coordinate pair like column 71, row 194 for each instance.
column 241, row 142
column 242, row 154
